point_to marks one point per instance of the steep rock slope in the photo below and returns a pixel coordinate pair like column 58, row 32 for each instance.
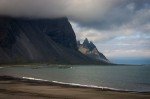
column 51, row 41
column 90, row 50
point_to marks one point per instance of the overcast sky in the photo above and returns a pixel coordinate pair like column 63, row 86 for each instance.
column 119, row 28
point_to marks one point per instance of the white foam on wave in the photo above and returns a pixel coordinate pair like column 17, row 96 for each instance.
column 36, row 79
column 88, row 86
column 74, row 84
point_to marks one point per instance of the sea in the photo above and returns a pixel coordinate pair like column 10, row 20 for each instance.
column 120, row 77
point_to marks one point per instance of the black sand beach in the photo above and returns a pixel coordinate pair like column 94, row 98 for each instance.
column 13, row 88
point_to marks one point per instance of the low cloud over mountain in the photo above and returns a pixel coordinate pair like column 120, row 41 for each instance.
column 102, row 21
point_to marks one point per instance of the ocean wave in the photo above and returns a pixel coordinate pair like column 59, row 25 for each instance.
column 89, row 86
column 2, row 67
column 32, row 79
column 36, row 79
column 77, row 85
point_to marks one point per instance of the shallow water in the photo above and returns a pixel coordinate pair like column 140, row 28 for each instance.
column 131, row 78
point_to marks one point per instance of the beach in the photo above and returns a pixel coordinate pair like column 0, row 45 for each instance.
column 13, row 88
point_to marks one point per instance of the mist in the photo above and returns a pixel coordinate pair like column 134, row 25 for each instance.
column 80, row 10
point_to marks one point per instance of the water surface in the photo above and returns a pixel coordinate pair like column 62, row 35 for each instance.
column 132, row 78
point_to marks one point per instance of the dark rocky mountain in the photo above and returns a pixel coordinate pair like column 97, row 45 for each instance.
column 90, row 50
column 53, row 41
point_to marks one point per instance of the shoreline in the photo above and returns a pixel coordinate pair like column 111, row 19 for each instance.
column 74, row 85
column 79, row 85
column 59, row 65
column 21, row 87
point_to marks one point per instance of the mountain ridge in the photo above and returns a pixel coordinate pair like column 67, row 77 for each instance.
column 89, row 49
column 53, row 41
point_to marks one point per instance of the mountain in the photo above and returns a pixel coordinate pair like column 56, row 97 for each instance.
column 90, row 50
column 25, row 40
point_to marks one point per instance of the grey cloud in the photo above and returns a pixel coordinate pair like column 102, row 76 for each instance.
column 126, row 19
column 122, row 14
column 140, row 4
column 32, row 8
column 97, row 14
column 80, row 10
column 126, row 47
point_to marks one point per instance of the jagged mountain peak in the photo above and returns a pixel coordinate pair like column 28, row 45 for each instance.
column 92, row 46
column 88, row 44
column 88, row 48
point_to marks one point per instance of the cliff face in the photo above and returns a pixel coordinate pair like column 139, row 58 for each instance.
column 38, row 41
column 59, row 30
column 90, row 50
column 50, row 41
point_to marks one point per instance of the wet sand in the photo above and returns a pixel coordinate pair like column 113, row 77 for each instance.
column 16, row 88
